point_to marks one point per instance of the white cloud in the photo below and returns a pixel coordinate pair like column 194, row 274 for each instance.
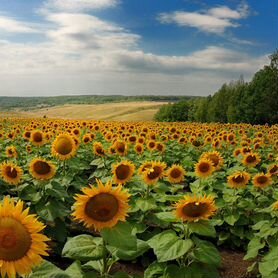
column 79, row 5
column 11, row 25
column 215, row 20
column 88, row 32
column 84, row 54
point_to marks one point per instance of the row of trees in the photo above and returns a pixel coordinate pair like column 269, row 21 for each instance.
column 254, row 102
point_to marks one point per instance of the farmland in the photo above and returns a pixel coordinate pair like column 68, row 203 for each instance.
column 122, row 111
column 89, row 198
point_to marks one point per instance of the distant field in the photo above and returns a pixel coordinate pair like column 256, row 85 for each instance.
column 125, row 111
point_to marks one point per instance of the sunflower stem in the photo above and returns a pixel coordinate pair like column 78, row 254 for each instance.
column 64, row 167
column 147, row 192
column 105, row 266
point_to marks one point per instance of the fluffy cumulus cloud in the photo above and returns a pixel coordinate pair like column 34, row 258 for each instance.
column 78, row 5
column 11, row 25
column 84, row 54
column 214, row 20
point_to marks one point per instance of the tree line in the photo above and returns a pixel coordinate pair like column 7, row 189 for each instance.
column 254, row 102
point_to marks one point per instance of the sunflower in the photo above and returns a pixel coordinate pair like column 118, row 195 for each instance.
column 123, row 172
column 262, row 180
column 215, row 157
column 204, row 168
column 152, row 174
column 120, row 147
column 139, row 148
column 251, row 159
column 160, row 147
column 102, row 206
column 273, row 170
column 37, row 138
column 42, row 169
column 175, row 174
column 98, row 149
column 275, row 205
column 21, row 243
column 151, row 145
column 11, row 152
column 11, row 173
column 145, row 166
column 194, row 208
column 63, row 147
column 238, row 179
column 27, row 135
column 86, row 139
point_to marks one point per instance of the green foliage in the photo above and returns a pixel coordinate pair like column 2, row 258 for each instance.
column 255, row 102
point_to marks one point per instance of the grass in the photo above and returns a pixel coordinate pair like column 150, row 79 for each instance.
column 123, row 111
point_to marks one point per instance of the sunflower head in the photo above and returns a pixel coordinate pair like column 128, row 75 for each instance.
column 273, row 170
column 275, row 206
column 204, row 168
column 11, row 173
column 102, row 206
column 121, row 147
column 151, row 145
column 98, row 149
column 11, row 152
column 251, row 159
column 64, row 147
column 195, row 208
column 175, row 174
column 42, row 169
column 262, row 180
column 215, row 157
column 37, row 138
column 139, row 148
column 155, row 172
column 160, row 147
column 21, row 243
column 123, row 172
column 238, row 180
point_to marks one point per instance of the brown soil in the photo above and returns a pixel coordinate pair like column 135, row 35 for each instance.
column 233, row 265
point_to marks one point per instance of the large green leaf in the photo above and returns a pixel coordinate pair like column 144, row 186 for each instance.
column 168, row 246
column 120, row 236
column 127, row 255
column 254, row 246
column 74, row 270
column 155, row 270
column 269, row 263
column 83, row 248
column 206, row 252
column 167, row 216
column 203, row 228
column 48, row 270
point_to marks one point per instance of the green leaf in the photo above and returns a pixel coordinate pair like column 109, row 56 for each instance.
column 120, row 236
column 203, row 228
column 74, row 270
column 253, row 248
column 195, row 270
column 206, row 252
column 166, row 216
column 83, row 248
column 269, row 262
column 155, row 270
column 48, row 270
column 231, row 219
column 168, row 246
column 128, row 255
column 146, row 204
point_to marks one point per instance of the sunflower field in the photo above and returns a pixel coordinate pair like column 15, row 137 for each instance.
column 89, row 198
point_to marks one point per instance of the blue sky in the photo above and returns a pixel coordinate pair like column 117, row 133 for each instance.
column 58, row 47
